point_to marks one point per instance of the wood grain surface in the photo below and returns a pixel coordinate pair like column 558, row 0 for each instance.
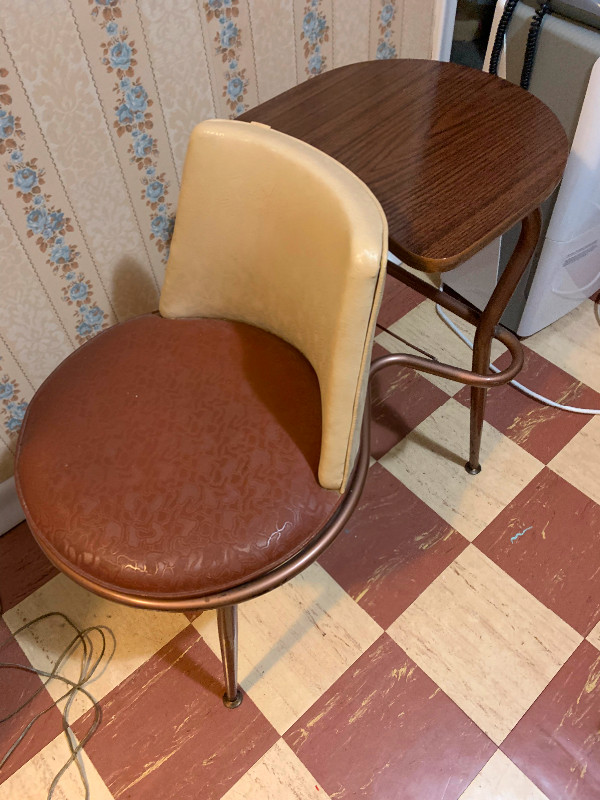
column 455, row 156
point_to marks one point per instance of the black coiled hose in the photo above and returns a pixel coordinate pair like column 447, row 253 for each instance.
column 532, row 42
column 500, row 33
column 532, row 39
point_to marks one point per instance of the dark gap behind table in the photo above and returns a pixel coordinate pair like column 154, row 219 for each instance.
column 471, row 32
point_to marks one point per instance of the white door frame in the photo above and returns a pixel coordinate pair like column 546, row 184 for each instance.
column 444, row 14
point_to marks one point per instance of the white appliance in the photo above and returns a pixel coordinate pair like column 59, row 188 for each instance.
column 566, row 268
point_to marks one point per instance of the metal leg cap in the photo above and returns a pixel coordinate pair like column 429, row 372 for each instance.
column 235, row 702
column 472, row 470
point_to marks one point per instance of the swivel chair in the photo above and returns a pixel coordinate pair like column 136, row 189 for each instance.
column 203, row 456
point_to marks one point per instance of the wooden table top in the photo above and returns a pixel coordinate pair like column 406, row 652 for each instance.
column 455, row 156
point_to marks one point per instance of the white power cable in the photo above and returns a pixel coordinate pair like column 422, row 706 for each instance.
column 516, row 384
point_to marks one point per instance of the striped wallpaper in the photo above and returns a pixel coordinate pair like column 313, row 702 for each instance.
column 97, row 99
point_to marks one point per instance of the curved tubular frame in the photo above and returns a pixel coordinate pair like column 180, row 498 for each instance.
column 270, row 580
column 302, row 560
column 487, row 328
column 226, row 602
column 478, row 379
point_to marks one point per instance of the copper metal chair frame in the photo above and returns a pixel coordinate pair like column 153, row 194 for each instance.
column 226, row 602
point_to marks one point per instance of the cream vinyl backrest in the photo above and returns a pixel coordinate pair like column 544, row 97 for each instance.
column 272, row 232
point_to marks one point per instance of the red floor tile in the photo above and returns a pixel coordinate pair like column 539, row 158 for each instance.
column 385, row 730
column 541, row 430
column 23, row 566
column 16, row 686
column 192, row 615
column 557, row 742
column 557, row 558
column 393, row 547
column 397, row 301
column 166, row 734
column 400, row 400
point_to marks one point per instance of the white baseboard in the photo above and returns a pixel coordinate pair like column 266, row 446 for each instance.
column 11, row 512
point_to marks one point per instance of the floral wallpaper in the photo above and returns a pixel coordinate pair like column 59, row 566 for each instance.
column 46, row 224
column 315, row 37
column 13, row 404
column 386, row 48
column 134, row 119
column 228, row 44
column 97, row 99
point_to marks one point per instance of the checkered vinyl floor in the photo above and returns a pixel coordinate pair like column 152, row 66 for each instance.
column 446, row 646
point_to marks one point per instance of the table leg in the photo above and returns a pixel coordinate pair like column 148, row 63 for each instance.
column 482, row 345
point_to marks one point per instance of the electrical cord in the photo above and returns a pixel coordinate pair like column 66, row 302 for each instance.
column 395, row 260
column 88, row 667
column 406, row 342
column 516, row 384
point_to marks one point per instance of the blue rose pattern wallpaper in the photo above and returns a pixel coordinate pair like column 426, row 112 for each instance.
column 314, row 36
column 386, row 47
column 47, row 225
column 97, row 100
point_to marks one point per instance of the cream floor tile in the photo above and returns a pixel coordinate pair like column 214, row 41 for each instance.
column 573, row 344
column 500, row 779
column 489, row 644
column 430, row 462
column 33, row 780
column 138, row 634
column 279, row 775
column 423, row 327
column 295, row 642
column 579, row 461
column 594, row 636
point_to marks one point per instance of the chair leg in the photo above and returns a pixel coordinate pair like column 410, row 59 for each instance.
column 228, row 630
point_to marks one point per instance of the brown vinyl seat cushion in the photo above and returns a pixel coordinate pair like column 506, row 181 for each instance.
column 175, row 458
